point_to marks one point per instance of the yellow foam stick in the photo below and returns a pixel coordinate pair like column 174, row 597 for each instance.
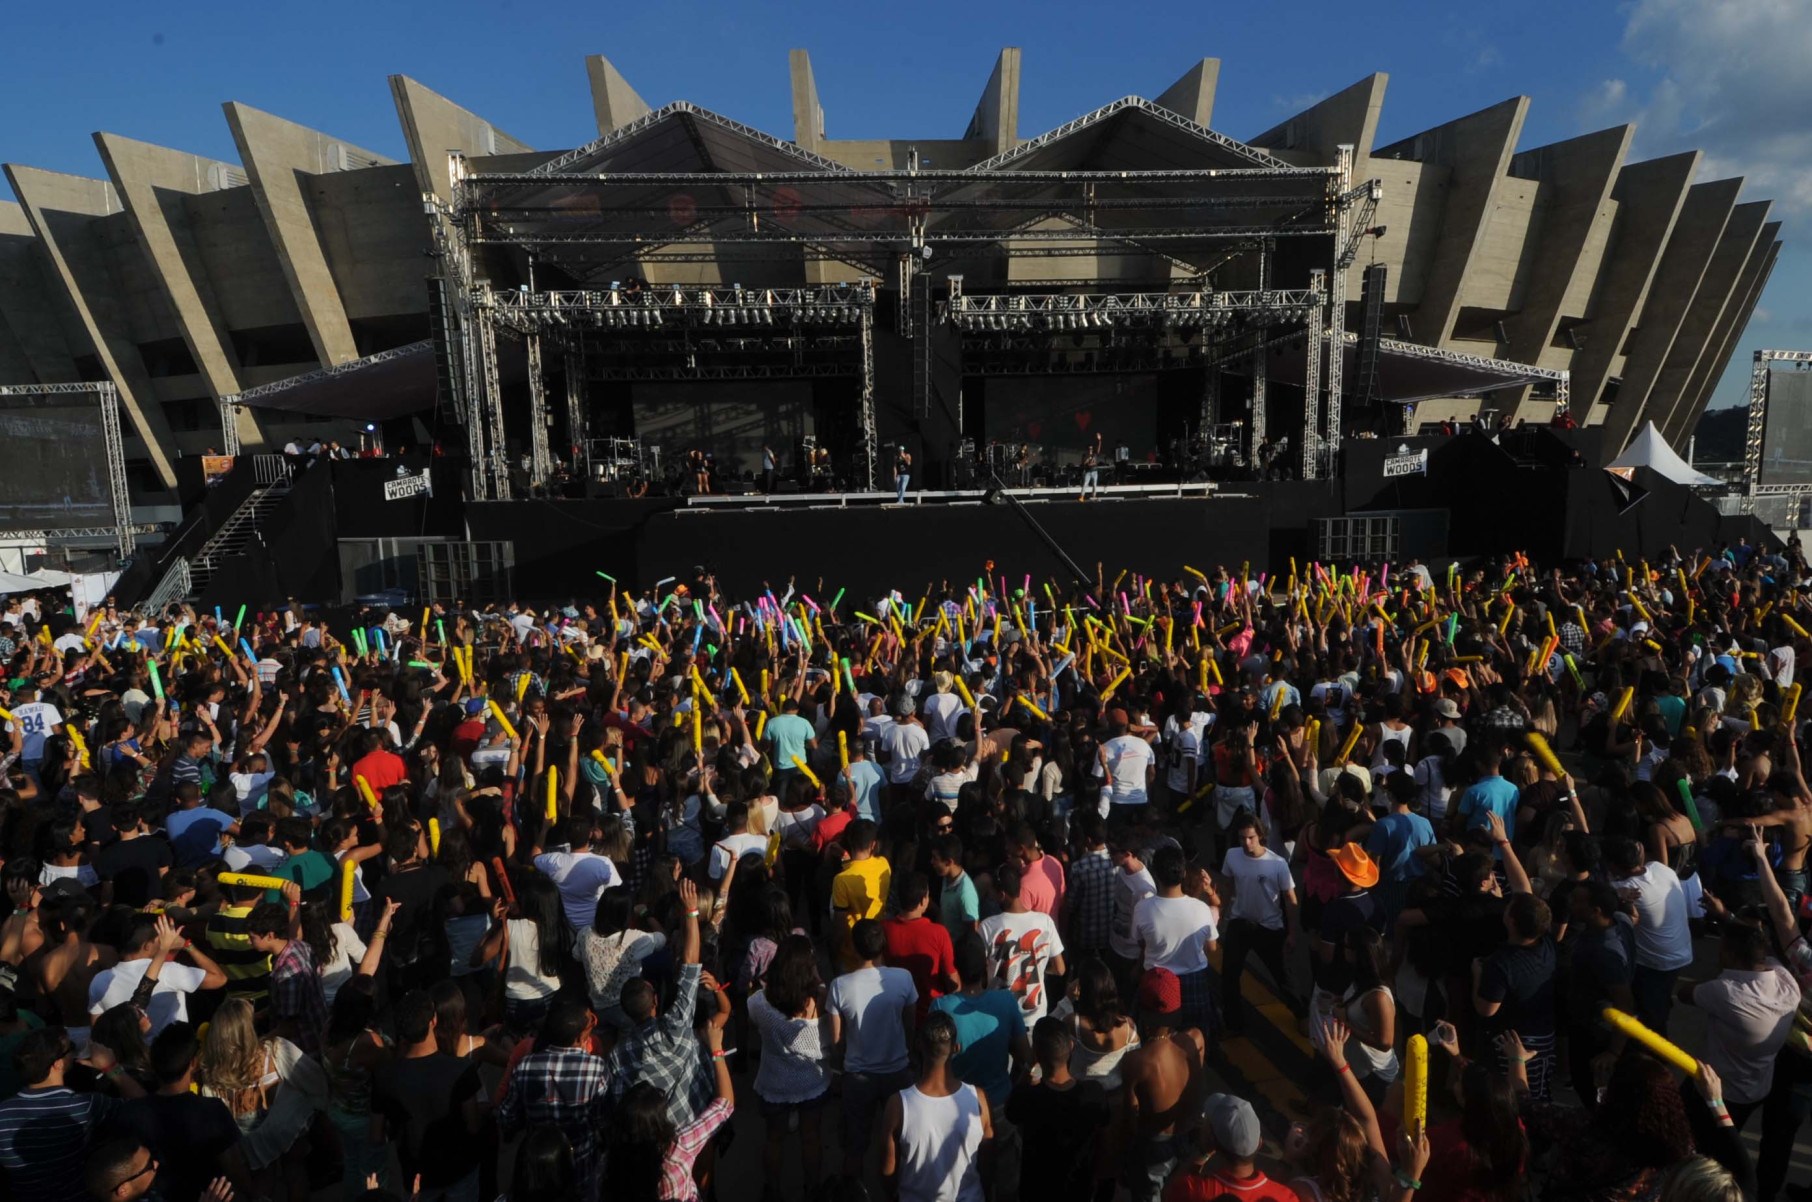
column 347, row 867
column 1118, row 681
column 962, row 689
column 1031, row 705
column 553, row 794
column 1197, row 572
column 1352, row 741
column 1313, row 737
column 224, row 649
column 1623, row 703
column 497, row 713
column 1544, row 754
column 1503, row 625
column 805, row 769
column 698, row 729
column 434, row 836
column 1662, row 1049
column 761, row 724
column 81, row 744
column 1792, row 706
column 843, row 751
column 365, row 791
column 597, row 753
column 1277, row 702
column 1415, row 1086
column 764, row 685
column 1793, row 625
column 1641, row 609
column 522, row 683
column 251, row 880
column 1214, row 667
column 736, row 679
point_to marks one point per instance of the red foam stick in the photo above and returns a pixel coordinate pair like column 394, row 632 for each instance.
column 503, row 879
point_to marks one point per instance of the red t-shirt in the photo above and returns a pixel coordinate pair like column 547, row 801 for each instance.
column 467, row 736
column 381, row 769
column 830, row 828
column 922, row 948
column 1204, row 1184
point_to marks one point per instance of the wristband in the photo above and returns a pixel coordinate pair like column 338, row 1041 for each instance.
column 1406, row 1181
column 1343, row 1068
column 723, row 1053
column 1716, row 1104
column 691, row 913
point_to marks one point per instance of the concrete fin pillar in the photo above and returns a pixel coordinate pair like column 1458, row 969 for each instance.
column 1348, row 117
column 1727, row 334
column 151, row 181
column 1649, row 196
column 279, row 155
column 808, row 114
column 1718, row 289
column 996, row 119
column 434, row 125
column 612, row 99
column 1192, row 96
column 1695, row 238
column 1476, row 152
column 61, row 208
column 34, row 309
column 1576, row 176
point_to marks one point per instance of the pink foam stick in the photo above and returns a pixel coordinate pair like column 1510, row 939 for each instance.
column 1028, row 584
column 1124, row 602
column 1198, row 613
column 1383, row 577
column 1090, row 598
column 808, row 600
column 738, row 625
column 712, row 610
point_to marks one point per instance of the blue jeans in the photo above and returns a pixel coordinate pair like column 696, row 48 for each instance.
column 899, row 488
column 1091, row 481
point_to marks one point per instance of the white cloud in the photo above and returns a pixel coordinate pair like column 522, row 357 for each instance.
column 1734, row 79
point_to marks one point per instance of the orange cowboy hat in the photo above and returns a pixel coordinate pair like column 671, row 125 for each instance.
column 1353, row 862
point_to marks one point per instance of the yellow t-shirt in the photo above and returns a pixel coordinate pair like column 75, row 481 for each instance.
column 858, row 892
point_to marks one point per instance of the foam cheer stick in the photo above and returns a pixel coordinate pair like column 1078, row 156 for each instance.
column 1415, row 1085
column 1662, row 1049
column 1118, row 681
column 497, row 713
column 553, row 794
column 1792, row 706
column 807, row 772
column 434, row 836
column 252, row 880
column 347, row 867
column 503, row 880
column 597, row 753
column 1352, row 741
column 1544, row 754
column 843, row 750
column 1623, row 703
column 365, row 790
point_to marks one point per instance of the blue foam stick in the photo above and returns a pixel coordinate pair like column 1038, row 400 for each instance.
column 339, row 681
column 247, row 648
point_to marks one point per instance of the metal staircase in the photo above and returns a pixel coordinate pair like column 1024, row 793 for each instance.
column 237, row 533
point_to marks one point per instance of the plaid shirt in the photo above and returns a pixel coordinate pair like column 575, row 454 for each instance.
column 663, row 1052
column 564, row 1087
column 296, row 994
column 677, row 1184
column 1572, row 638
column 1091, row 901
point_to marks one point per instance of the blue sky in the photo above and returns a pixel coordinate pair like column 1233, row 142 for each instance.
column 1733, row 77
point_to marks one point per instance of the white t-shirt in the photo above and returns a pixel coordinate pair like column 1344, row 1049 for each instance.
column 39, row 720
column 1781, row 661
column 940, row 711
column 522, row 980
column 1128, row 760
column 1130, row 888
column 1020, row 949
column 1186, row 748
column 906, row 744
column 1175, row 932
column 870, row 1002
column 1749, row 1016
column 731, row 848
column 1259, row 883
column 255, row 858
column 581, row 878
column 169, row 1002
column 250, row 788
column 348, row 951
column 1663, row 939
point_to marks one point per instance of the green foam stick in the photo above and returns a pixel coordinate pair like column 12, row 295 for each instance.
column 239, row 621
column 420, row 663
column 441, row 626
column 837, row 598
column 157, row 681
column 608, row 576
column 1692, row 807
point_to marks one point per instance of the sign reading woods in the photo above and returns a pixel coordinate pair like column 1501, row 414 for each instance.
column 408, row 486
column 1408, row 463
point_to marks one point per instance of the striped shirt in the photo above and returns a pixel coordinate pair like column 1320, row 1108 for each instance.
column 248, row 972
column 43, row 1138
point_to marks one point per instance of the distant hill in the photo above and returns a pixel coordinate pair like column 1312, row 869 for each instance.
column 1720, row 435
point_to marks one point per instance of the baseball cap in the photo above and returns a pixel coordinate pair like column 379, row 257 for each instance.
column 1160, row 992
column 1234, row 1124
column 474, row 706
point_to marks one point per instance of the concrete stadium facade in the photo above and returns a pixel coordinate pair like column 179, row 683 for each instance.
column 183, row 279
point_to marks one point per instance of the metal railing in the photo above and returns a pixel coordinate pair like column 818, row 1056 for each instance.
column 268, row 469
column 175, row 586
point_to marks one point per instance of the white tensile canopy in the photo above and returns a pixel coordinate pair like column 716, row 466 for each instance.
column 1648, row 449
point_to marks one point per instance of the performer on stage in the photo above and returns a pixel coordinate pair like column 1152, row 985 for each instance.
column 770, row 465
column 700, row 470
column 902, row 473
column 1091, row 470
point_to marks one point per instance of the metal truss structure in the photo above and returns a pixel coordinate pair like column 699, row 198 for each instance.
column 1190, row 310
column 1757, row 428
column 123, row 531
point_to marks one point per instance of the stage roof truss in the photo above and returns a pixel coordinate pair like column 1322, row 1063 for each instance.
column 1064, row 312
column 670, row 306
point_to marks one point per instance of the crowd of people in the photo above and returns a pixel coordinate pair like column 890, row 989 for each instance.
column 989, row 894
